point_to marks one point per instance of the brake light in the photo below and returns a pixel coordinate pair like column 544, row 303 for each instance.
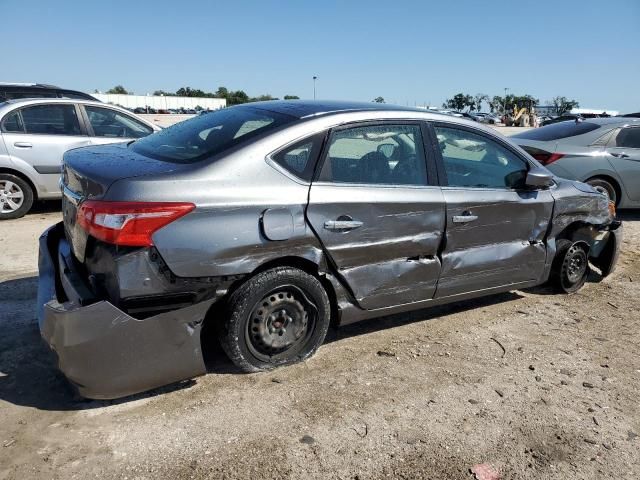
column 128, row 223
column 546, row 158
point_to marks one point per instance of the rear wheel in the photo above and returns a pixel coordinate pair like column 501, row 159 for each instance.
column 16, row 196
column 570, row 267
column 606, row 187
column 278, row 317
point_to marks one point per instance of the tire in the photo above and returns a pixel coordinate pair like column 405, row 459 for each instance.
column 570, row 267
column 604, row 186
column 16, row 197
column 278, row 317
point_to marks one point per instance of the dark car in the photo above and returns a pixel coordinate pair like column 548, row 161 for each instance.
column 269, row 221
column 12, row 91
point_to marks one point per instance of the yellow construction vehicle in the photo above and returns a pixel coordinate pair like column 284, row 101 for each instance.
column 520, row 117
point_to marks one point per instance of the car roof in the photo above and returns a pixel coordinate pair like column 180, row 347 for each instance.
column 36, row 100
column 310, row 108
column 605, row 121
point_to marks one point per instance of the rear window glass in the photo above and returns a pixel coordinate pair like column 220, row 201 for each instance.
column 559, row 130
column 209, row 134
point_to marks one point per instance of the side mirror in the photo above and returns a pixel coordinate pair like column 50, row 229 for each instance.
column 538, row 178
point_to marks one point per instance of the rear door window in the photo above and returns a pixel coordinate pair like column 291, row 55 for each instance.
column 54, row 119
column 559, row 130
column 376, row 154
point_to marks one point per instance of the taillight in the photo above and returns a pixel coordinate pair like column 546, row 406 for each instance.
column 546, row 158
column 128, row 223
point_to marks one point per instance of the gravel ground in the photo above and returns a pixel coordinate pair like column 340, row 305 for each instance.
column 531, row 384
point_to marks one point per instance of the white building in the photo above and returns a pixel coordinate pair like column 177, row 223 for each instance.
column 161, row 102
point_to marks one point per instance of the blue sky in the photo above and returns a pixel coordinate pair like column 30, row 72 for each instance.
column 409, row 52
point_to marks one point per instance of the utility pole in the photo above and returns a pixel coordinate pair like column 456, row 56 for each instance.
column 504, row 108
column 314, row 86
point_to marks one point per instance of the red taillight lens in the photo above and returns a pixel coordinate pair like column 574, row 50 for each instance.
column 546, row 158
column 128, row 223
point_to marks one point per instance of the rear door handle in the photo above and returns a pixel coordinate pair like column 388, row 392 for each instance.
column 464, row 218
column 342, row 224
column 22, row 145
column 619, row 155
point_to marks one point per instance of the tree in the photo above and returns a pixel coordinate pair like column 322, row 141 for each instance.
column 118, row 89
column 237, row 97
column 291, row 97
column 378, row 100
column 478, row 99
column 222, row 92
column 190, row 92
column 562, row 105
column 159, row 93
column 459, row 102
column 262, row 98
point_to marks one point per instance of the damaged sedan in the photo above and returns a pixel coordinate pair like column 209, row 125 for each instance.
column 269, row 222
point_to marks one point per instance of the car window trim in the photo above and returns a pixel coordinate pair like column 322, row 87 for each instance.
column 372, row 123
column 4, row 119
column 83, row 129
column 442, row 174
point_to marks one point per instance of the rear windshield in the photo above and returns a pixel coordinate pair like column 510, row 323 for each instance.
column 208, row 134
column 555, row 131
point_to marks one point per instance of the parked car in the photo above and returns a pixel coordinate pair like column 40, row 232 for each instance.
column 35, row 133
column 488, row 118
column 265, row 222
column 603, row 152
column 14, row 91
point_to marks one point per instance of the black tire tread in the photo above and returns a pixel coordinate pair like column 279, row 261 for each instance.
column 244, row 298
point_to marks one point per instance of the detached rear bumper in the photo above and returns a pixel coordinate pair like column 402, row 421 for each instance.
column 103, row 351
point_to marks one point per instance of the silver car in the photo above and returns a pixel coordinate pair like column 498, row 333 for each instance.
column 35, row 134
column 265, row 223
column 603, row 152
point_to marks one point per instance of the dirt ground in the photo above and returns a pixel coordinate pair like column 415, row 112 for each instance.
column 533, row 384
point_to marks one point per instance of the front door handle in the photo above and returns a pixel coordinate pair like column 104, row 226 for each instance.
column 466, row 218
column 343, row 225
column 22, row 145
column 619, row 155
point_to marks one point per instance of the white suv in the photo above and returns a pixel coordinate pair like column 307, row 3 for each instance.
column 35, row 133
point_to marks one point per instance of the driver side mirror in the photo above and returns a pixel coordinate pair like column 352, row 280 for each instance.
column 538, row 178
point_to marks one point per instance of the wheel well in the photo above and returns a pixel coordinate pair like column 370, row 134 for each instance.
column 614, row 183
column 23, row 177
column 578, row 232
column 307, row 266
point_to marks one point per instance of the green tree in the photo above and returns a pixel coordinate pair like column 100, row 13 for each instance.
column 478, row 99
column 262, row 98
column 118, row 89
column 222, row 92
column 378, row 100
column 459, row 102
column 237, row 97
column 190, row 92
column 291, row 97
column 563, row 105
column 163, row 93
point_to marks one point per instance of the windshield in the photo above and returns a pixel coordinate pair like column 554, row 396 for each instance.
column 559, row 130
column 209, row 134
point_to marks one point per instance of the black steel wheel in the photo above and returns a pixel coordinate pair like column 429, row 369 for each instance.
column 571, row 266
column 278, row 317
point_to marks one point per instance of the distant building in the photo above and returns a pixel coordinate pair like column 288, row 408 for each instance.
column 161, row 102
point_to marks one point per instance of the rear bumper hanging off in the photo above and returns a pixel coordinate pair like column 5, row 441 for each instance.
column 102, row 350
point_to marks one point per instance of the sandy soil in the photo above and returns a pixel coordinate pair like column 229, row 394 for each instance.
column 423, row 395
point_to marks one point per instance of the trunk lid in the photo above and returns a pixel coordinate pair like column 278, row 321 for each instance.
column 89, row 172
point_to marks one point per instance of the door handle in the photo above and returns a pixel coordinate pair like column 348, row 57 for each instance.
column 619, row 155
column 22, row 145
column 342, row 224
column 465, row 218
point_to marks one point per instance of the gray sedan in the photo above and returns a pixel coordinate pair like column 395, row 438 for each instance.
column 603, row 152
column 266, row 223
column 35, row 133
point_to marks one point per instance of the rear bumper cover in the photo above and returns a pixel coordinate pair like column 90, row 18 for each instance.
column 103, row 351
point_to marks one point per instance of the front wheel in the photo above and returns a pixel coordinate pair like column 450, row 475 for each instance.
column 570, row 267
column 279, row 317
